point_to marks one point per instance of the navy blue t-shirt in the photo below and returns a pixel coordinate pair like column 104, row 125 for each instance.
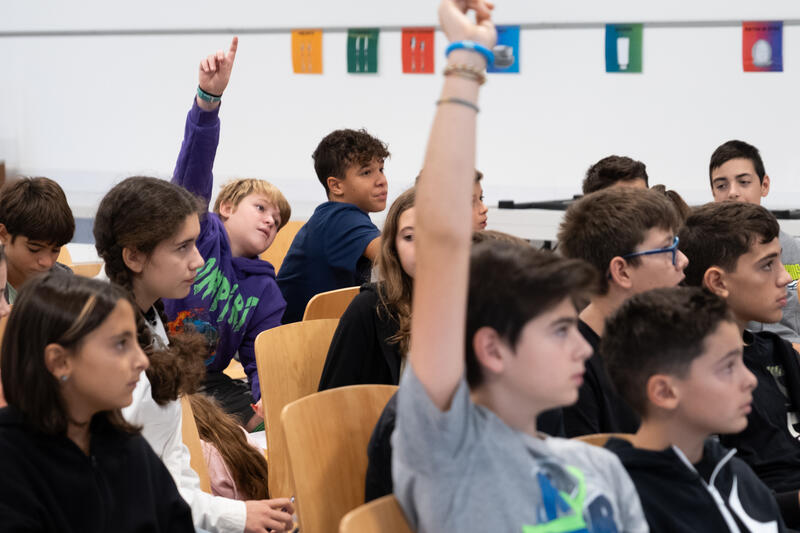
column 326, row 254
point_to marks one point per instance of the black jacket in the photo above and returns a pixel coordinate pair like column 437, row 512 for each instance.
column 599, row 408
column 719, row 494
column 767, row 444
column 50, row 485
column 360, row 353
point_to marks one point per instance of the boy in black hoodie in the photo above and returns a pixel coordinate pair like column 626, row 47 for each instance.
column 686, row 387
column 735, row 252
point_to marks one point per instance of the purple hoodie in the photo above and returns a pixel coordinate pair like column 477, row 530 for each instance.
column 233, row 299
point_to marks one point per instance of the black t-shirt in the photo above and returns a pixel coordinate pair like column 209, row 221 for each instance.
column 599, row 408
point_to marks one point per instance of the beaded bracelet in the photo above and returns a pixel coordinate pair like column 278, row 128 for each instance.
column 467, row 72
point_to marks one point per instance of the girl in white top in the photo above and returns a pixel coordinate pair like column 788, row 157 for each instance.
column 145, row 231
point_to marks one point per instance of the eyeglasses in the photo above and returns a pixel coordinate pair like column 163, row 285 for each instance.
column 671, row 249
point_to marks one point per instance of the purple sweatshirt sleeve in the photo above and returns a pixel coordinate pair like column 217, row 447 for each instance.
column 193, row 171
column 247, row 352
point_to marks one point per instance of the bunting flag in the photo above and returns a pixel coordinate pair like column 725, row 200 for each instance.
column 506, row 53
column 362, row 50
column 624, row 48
column 307, row 51
column 762, row 46
column 417, row 44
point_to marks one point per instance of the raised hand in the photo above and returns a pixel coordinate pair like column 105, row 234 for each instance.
column 457, row 26
column 215, row 70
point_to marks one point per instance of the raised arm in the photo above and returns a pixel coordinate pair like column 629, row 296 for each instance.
column 443, row 229
column 193, row 170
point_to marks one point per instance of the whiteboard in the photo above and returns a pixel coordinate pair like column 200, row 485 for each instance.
column 148, row 16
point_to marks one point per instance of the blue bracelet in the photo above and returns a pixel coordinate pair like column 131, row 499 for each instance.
column 208, row 97
column 475, row 47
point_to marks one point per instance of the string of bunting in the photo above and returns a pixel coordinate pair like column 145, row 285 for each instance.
column 762, row 49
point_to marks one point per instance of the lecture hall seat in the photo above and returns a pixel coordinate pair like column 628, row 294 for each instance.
column 326, row 437
column 290, row 359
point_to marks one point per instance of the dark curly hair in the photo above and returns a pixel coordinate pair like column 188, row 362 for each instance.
column 139, row 213
column 342, row 148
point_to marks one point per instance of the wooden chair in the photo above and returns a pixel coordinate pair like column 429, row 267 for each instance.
column 383, row 515
column 280, row 246
column 600, row 439
column 3, row 322
column 326, row 436
column 235, row 370
column 191, row 438
column 290, row 360
column 330, row 304
column 87, row 270
column 64, row 257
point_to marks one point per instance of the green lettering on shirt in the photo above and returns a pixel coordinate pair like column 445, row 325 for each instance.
column 571, row 523
column 793, row 270
column 222, row 294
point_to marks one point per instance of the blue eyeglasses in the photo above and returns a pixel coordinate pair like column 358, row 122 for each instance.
column 671, row 249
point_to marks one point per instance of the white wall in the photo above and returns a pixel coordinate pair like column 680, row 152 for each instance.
column 50, row 15
column 89, row 110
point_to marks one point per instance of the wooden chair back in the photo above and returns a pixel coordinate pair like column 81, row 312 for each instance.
column 330, row 304
column 3, row 322
column 383, row 515
column 280, row 246
column 87, row 270
column 64, row 257
column 327, row 435
column 290, row 359
column 600, row 439
column 191, row 438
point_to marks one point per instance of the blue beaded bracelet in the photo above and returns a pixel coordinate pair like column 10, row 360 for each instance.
column 471, row 45
column 208, row 97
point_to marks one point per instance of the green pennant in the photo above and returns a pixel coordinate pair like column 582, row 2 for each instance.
column 362, row 50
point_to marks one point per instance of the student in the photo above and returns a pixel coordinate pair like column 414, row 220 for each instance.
column 33, row 241
column 336, row 247
column 686, row 387
column 734, row 251
column 615, row 171
column 145, row 230
column 371, row 340
column 235, row 296
column 628, row 235
column 479, row 209
column 379, row 450
column 70, row 462
column 4, row 307
column 468, row 457
column 236, row 464
column 734, row 168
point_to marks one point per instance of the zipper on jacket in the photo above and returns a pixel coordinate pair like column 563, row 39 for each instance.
column 712, row 490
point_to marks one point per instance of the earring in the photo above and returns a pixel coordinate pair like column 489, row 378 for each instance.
column 64, row 378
